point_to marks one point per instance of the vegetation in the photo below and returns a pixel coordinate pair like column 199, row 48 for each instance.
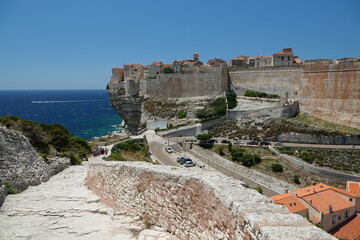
column 231, row 100
column 296, row 179
column 168, row 70
column 45, row 137
column 277, row 167
column 9, row 187
column 343, row 160
column 302, row 124
column 259, row 189
column 249, row 93
column 215, row 109
column 181, row 114
column 204, row 137
column 130, row 150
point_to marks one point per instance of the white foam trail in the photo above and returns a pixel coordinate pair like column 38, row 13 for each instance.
column 68, row 101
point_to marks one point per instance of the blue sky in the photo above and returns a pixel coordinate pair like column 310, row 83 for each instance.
column 73, row 44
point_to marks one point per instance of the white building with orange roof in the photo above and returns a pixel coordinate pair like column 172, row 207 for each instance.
column 329, row 206
column 263, row 61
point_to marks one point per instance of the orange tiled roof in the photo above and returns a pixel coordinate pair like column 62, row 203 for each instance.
column 284, row 53
column 351, row 230
column 322, row 200
column 353, row 187
column 263, row 57
column 296, row 60
column 292, row 203
column 157, row 63
column 166, row 65
column 116, row 68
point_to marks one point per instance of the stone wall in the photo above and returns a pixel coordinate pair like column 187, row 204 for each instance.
column 270, row 80
column 325, row 89
column 196, row 204
column 265, row 114
column 331, row 91
column 330, row 140
column 209, row 82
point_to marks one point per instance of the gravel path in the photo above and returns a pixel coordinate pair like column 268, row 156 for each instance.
column 64, row 208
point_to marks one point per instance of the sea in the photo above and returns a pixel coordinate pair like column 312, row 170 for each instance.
column 85, row 113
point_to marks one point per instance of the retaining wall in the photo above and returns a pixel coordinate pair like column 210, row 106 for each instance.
column 196, row 204
column 322, row 172
column 271, row 186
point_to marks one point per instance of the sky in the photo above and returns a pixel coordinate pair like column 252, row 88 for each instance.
column 73, row 44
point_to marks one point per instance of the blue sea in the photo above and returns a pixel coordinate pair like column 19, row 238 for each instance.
column 85, row 113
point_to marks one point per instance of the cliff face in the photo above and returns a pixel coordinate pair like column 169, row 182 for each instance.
column 161, row 98
column 20, row 164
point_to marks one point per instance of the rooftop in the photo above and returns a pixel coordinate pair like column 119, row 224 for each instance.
column 349, row 230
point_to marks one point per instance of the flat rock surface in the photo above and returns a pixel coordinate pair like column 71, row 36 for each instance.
column 64, row 208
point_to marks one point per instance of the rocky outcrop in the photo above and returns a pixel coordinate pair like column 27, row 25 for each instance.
column 138, row 101
column 20, row 164
column 196, row 204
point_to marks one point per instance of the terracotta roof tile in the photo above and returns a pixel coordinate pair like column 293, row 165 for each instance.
column 292, row 203
column 350, row 230
column 353, row 187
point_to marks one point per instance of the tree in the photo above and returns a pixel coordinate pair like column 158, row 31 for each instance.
column 168, row 70
column 204, row 137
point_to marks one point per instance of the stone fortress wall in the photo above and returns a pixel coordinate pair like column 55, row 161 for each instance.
column 196, row 204
column 202, row 82
column 326, row 89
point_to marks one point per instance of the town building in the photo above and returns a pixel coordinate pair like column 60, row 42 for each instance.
column 215, row 62
column 150, row 71
column 240, row 61
column 330, row 207
column 133, row 71
column 177, row 64
column 117, row 75
column 263, row 61
column 284, row 58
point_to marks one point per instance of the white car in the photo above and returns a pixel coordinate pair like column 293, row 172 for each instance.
column 169, row 149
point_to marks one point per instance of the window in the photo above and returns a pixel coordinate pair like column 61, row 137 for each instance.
column 289, row 58
column 347, row 213
column 282, row 58
column 334, row 219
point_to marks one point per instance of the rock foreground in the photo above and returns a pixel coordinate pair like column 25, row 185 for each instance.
column 63, row 208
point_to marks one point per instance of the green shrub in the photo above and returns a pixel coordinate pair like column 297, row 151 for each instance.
column 296, row 179
column 249, row 93
column 259, row 189
column 182, row 114
column 277, row 167
column 9, row 187
column 204, row 137
column 168, row 70
column 231, row 100
column 75, row 159
column 215, row 109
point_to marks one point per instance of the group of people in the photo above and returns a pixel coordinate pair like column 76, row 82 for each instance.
column 100, row 151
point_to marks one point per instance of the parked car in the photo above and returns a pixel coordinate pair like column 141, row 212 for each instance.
column 189, row 164
column 252, row 143
column 182, row 160
column 213, row 141
column 238, row 142
column 278, row 144
column 169, row 149
column 264, row 143
column 225, row 141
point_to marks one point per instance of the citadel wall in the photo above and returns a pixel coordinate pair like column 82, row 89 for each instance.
column 201, row 82
column 325, row 89
column 196, row 204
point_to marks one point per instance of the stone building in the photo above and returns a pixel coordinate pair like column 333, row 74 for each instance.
column 117, row 75
column 133, row 71
column 150, row 71
column 322, row 204
column 284, row 58
column 216, row 62
column 240, row 61
column 188, row 62
column 263, row 61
